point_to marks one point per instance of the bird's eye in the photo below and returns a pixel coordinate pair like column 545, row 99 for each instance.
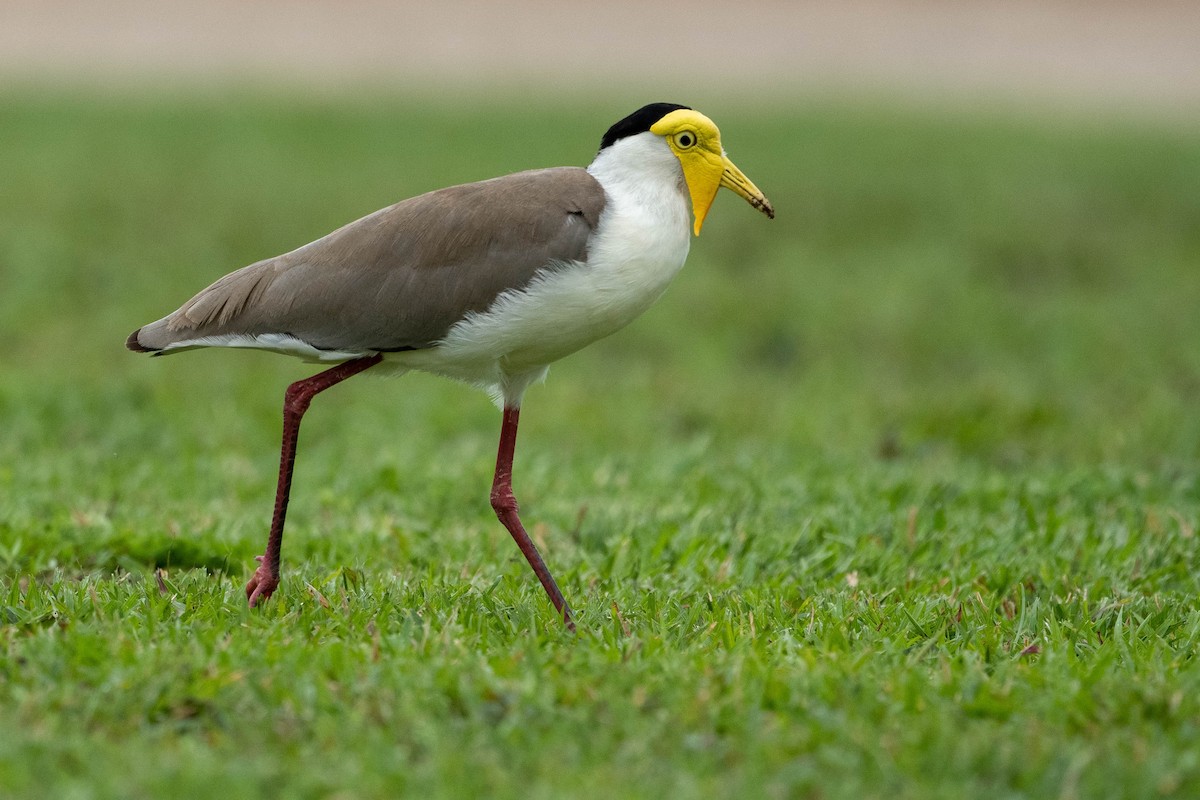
column 685, row 140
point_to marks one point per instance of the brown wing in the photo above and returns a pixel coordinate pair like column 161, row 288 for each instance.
column 401, row 277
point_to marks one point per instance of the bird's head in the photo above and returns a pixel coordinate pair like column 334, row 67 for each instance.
column 696, row 142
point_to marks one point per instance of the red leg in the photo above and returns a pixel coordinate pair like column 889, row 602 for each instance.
column 505, row 504
column 295, row 403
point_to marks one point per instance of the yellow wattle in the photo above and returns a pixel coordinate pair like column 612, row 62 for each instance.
column 703, row 163
column 702, row 170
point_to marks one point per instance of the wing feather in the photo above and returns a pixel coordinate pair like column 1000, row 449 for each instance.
column 401, row 277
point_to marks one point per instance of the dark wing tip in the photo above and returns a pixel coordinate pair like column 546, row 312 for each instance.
column 133, row 344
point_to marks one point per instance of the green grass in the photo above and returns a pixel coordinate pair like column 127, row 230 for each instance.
column 896, row 496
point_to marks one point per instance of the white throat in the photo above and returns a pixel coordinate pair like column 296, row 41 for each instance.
column 642, row 169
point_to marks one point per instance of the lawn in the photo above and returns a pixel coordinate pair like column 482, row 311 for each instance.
column 893, row 497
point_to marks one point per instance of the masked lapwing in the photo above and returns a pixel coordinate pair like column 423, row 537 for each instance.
column 487, row 283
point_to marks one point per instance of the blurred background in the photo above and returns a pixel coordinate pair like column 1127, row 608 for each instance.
column 987, row 248
column 1059, row 51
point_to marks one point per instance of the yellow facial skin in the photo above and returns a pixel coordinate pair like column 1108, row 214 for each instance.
column 696, row 142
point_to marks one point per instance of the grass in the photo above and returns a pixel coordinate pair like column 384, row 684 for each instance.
column 896, row 496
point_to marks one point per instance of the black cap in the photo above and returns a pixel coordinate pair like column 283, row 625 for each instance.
column 639, row 122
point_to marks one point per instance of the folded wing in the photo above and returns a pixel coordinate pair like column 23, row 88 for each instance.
column 398, row 279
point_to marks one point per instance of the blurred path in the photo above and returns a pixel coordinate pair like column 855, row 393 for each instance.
column 1098, row 52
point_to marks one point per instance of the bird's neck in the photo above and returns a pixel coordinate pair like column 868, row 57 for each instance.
column 642, row 171
column 645, row 230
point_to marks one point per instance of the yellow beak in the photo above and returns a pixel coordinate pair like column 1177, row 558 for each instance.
column 706, row 172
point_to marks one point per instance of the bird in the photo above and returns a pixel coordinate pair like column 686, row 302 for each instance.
column 486, row 283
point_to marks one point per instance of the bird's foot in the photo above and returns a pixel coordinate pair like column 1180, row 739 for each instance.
column 263, row 583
